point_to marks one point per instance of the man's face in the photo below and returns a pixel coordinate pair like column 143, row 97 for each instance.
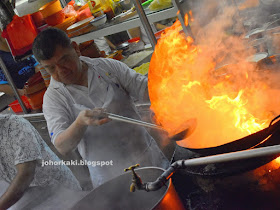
column 65, row 65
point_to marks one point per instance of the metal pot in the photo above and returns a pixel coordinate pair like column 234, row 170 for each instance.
column 256, row 33
column 126, row 4
column 115, row 194
column 123, row 46
column 269, row 63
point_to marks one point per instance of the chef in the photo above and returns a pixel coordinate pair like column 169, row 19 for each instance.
column 80, row 89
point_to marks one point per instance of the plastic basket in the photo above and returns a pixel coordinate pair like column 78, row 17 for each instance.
column 15, row 106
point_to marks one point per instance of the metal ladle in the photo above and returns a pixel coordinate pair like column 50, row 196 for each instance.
column 177, row 137
column 191, row 123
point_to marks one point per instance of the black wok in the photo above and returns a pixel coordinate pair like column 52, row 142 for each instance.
column 266, row 137
column 247, row 142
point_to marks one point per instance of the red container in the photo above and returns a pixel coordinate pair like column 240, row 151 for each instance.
column 55, row 18
column 15, row 106
column 36, row 99
column 35, row 89
column 136, row 39
column 21, row 31
column 158, row 34
column 38, row 18
column 84, row 14
column 15, row 52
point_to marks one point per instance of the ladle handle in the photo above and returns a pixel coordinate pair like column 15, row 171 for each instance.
column 132, row 121
column 122, row 119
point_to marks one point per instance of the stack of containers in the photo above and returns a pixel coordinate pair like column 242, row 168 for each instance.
column 53, row 13
column 35, row 89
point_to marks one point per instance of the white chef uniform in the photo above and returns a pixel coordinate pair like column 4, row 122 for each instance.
column 111, row 85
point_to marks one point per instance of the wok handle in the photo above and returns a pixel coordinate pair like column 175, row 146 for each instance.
column 272, row 121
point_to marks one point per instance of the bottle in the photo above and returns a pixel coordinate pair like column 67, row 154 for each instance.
column 89, row 2
column 107, row 9
column 97, row 10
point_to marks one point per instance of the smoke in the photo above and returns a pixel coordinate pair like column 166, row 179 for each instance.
column 260, row 86
column 213, row 79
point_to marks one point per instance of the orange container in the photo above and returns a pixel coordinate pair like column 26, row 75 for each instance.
column 34, row 84
column 66, row 23
column 35, row 89
column 89, row 49
column 50, row 8
column 36, row 99
column 15, row 106
column 86, row 13
column 55, row 18
column 38, row 18
column 80, row 27
column 21, row 31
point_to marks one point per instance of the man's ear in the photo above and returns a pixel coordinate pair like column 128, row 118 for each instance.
column 76, row 47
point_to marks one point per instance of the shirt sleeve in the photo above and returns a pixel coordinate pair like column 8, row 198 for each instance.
column 25, row 141
column 135, row 84
column 56, row 114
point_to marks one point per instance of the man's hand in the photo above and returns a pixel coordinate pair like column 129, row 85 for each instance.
column 25, row 175
column 93, row 117
column 68, row 140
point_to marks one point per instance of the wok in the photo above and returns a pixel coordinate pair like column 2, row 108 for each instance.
column 266, row 137
column 247, row 142
column 115, row 194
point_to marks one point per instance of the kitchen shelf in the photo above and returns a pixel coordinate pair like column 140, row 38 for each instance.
column 113, row 27
column 107, row 29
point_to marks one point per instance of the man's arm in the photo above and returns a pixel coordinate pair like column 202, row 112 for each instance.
column 25, row 175
column 68, row 140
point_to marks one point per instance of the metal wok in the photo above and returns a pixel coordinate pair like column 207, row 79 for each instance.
column 115, row 194
column 256, row 139
column 266, row 137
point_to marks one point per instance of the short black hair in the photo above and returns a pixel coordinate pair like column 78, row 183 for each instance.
column 45, row 43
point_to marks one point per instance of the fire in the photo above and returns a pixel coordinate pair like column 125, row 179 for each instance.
column 191, row 15
column 277, row 160
column 244, row 120
column 185, row 82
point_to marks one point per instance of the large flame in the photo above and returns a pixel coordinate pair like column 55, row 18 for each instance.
column 185, row 82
